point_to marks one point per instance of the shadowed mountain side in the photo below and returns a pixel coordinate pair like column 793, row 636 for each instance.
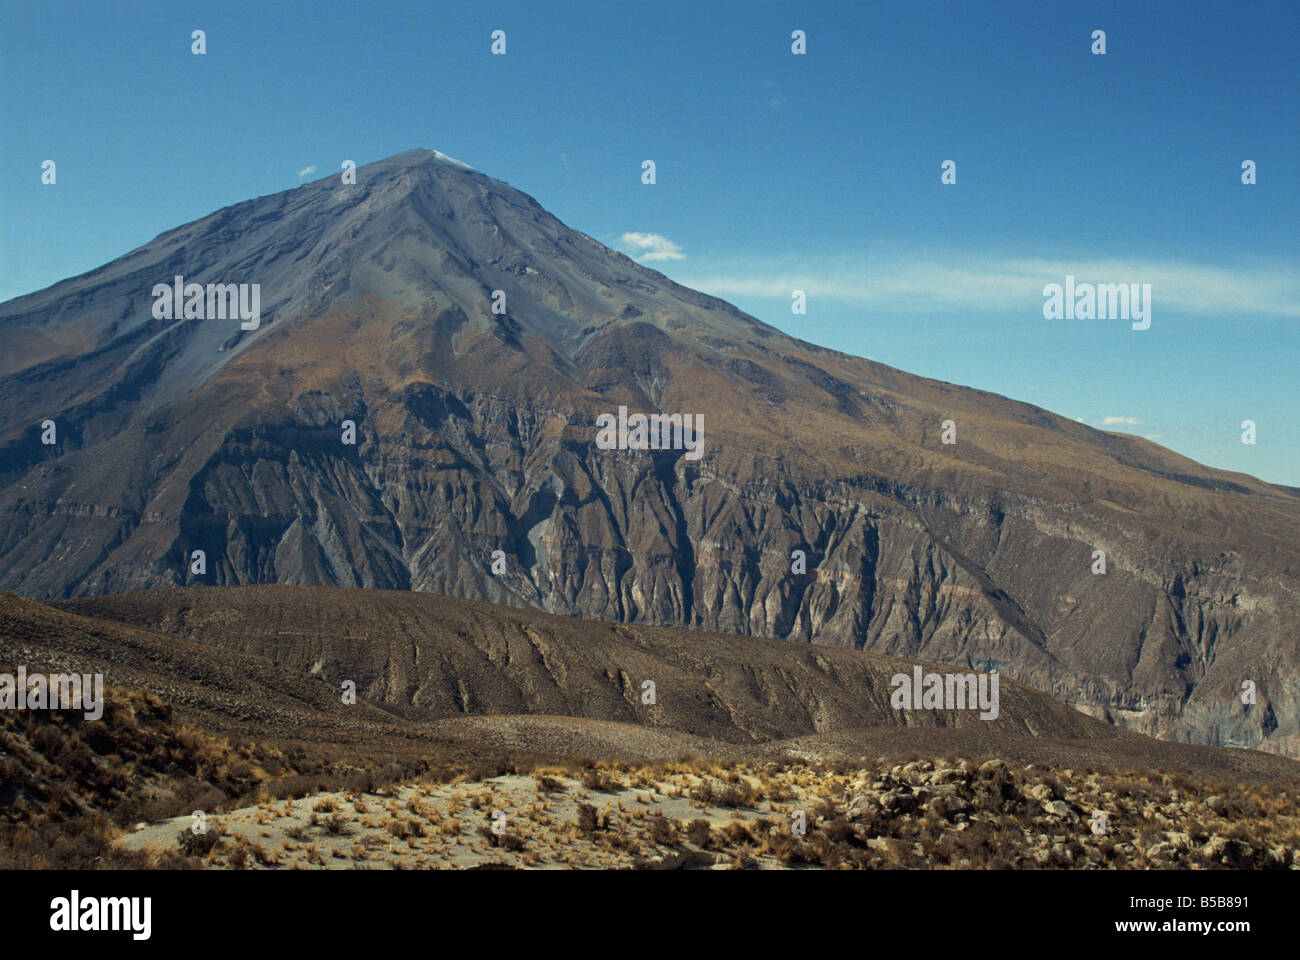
column 435, row 656
column 268, row 662
column 227, row 691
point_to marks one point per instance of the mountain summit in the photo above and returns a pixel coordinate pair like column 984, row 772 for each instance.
column 474, row 342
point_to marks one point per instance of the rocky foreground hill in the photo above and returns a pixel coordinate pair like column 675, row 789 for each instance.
column 136, row 789
column 477, row 471
column 947, row 815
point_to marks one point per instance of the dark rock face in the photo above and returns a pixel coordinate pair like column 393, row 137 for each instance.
column 476, row 433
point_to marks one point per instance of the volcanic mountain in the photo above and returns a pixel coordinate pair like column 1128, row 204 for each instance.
column 476, row 433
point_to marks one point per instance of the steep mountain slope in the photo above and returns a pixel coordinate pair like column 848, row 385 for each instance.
column 476, row 433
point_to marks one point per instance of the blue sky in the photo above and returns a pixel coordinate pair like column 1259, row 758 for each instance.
column 775, row 172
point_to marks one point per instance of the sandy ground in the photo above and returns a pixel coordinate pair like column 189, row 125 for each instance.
column 954, row 814
column 427, row 826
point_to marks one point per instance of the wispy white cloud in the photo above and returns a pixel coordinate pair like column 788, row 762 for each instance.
column 1006, row 283
column 776, row 99
column 651, row 247
column 1120, row 421
column 306, row 171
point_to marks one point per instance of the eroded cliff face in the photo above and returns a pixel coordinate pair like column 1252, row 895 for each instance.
column 653, row 538
column 476, row 433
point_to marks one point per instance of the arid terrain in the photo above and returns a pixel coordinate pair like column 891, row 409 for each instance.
column 226, row 701
column 689, row 814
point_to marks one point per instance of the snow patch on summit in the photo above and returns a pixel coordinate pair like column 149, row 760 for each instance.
column 452, row 160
